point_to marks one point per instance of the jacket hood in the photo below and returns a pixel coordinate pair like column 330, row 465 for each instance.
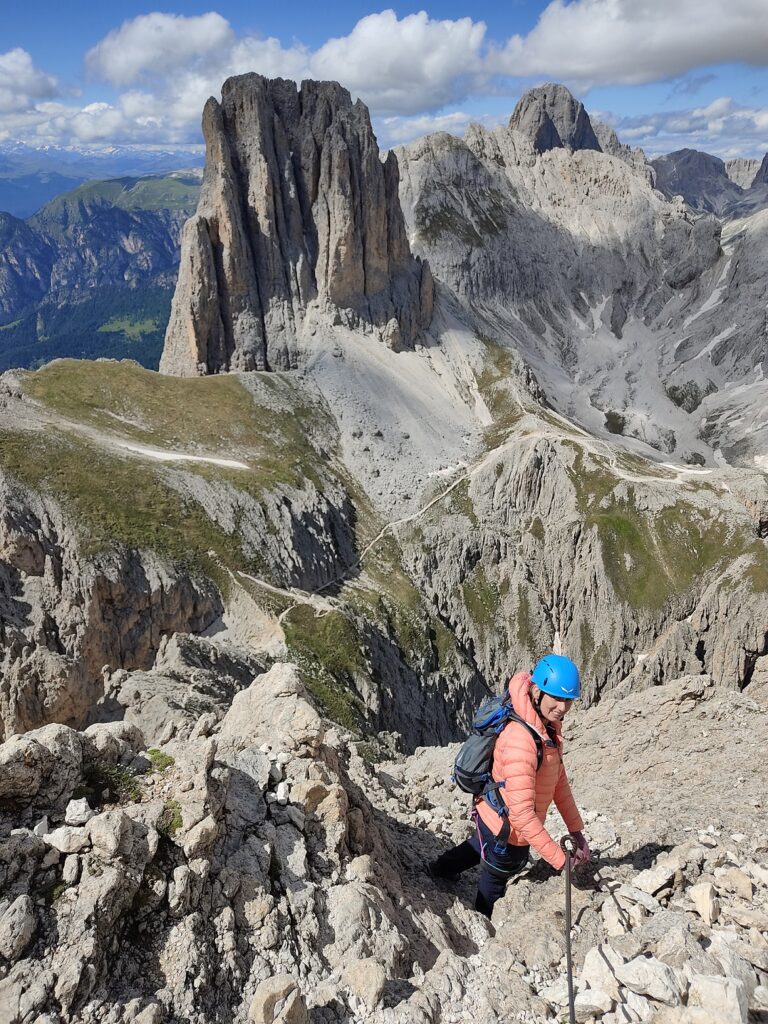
column 520, row 694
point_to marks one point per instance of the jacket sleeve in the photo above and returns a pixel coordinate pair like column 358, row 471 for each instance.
column 566, row 804
column 519, row 793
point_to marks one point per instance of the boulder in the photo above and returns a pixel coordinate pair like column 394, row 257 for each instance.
column 274, row 709
column 45, row 764
column 17, row 926
column 366, row 979
column 591, row 1003
column 650, row 977
column 67, row 839
column 705, row 901
column 724, row 997
column 599, row 970
column 278, row 1001
column 736, row 881
column 78, row 812
column 654, row 879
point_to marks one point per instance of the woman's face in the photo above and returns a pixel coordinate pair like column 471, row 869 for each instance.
column 554, row 709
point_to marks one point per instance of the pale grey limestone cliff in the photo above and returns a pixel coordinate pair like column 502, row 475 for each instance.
column 761, row 175
column 742, row 171
column 298, row 216
column 701, row 179
column 538, row 238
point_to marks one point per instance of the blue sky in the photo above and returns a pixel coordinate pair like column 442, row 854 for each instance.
column 665, row 73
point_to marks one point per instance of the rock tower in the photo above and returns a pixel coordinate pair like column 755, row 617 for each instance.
column 299, row 223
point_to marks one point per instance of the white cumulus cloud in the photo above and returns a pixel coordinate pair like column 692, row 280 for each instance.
column 723, row 127
column 21, row 83
column 154, row 45
column 406, row 65
column 413, row 71
column 635, row 41
column 392, row 131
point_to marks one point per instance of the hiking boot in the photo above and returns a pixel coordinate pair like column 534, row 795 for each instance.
column 434, row 871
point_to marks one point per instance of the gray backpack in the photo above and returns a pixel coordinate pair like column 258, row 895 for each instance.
column 472, row 768
column 474, row 761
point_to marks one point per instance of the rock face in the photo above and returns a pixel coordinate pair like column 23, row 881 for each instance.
column 742, row 171
column 297, row 215
column 761, row 175
column 65, row 616
column 92, row 238
column 551, row 118
column 701, row 179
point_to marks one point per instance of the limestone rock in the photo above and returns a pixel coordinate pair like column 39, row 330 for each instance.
column 599, row 970
column 78, row 812
column 654, row 879
column 275, row 708
column 724, row 996
column 278, row 1001
column 366, row 979
column 736, row 881
column 742, row 170
column 590, row 1004
column 67, row 839
column 17, row 926
column 45, row 765
column 550, row 117
column 706, row 902
column 648, row 976
column 297, row 213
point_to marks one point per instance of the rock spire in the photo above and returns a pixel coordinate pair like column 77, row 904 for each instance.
column 553, row 119
column 299, row 222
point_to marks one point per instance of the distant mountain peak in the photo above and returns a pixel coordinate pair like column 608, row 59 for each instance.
column 552, row 118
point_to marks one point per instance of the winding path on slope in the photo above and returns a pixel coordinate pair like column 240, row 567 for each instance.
column 592, row 445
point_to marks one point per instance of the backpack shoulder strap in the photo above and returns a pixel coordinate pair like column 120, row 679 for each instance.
column 514, row 717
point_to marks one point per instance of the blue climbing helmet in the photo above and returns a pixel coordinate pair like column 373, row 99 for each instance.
column 557, row 676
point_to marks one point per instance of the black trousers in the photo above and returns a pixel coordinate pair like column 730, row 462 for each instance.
column 497, row 864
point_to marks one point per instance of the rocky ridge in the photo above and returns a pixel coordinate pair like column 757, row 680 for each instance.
column 298, row 218
column 253, row 849
column 102, row 234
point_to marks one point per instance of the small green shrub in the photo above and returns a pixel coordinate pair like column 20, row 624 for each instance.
column 171, row 819
column 120, row 784
column 159, row 760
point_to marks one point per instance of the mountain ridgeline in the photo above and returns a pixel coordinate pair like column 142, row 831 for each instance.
column 91, row 273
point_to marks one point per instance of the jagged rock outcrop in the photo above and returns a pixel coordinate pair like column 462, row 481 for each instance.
column 65, row 616
column 26, row 259
column 550, row 118
column 105, row 234
column 298, row 217
column 516, row 238
column 700, row 178
column 761, row 176
column 536, row 553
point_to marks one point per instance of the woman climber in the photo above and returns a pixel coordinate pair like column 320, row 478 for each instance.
column 530, row 774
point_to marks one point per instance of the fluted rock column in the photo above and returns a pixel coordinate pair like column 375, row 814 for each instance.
column 297, row 215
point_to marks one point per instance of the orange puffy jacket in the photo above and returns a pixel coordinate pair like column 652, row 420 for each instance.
column 526, row 791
